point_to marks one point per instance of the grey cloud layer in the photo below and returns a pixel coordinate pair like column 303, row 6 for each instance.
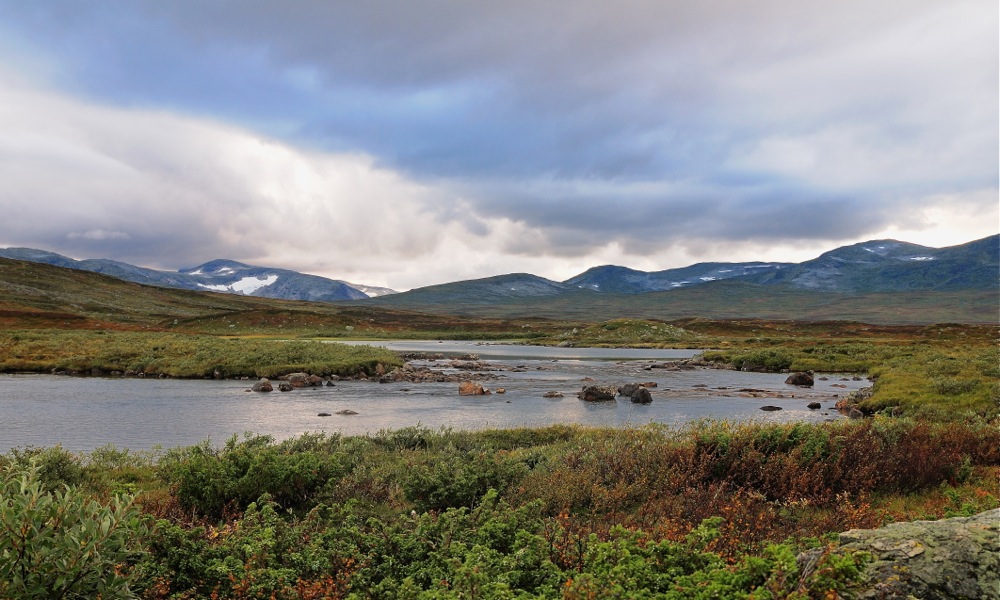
column 720, row 120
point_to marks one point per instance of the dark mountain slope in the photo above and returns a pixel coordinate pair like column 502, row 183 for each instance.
column 622, row 280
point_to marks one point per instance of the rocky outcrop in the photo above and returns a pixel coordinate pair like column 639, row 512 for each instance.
column 931, row 560
column 598, row 393
column 803, row 379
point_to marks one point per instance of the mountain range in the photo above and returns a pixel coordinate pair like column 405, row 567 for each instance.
column 873, row 267
column 226, row 276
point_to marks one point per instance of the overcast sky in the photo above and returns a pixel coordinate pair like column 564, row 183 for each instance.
column 406, row 143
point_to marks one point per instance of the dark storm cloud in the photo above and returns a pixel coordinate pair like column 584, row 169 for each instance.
column 723, row 120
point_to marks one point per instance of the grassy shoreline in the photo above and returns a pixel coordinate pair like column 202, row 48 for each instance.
column 186, row 356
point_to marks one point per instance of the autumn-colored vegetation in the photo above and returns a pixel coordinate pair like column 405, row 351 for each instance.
column 555, row 512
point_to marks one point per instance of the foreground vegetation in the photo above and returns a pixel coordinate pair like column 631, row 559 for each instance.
column 712, row 510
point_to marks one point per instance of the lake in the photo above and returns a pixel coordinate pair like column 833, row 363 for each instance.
column 83, row 413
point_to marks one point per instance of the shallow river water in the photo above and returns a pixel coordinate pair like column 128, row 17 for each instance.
column 86, row 413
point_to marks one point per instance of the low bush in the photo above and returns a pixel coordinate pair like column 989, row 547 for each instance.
column 61, row 543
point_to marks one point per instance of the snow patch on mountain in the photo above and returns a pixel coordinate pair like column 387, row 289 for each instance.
column 372, row 291
column 245, row 286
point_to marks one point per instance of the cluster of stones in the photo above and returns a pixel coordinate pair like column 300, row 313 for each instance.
column 292, row 381
column 636, row 392
column 413, row 374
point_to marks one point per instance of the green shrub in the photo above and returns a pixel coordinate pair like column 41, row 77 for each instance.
column 63, row 544
column 212, row 481
column 56, row 466
column 458, row 479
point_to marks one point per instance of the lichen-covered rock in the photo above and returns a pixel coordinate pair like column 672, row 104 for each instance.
column 931, row 560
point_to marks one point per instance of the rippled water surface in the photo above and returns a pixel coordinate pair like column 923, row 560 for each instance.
column 85, row 413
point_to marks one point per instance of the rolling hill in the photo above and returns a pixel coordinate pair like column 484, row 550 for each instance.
column 881, row 281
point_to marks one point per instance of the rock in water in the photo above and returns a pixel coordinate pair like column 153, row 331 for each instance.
column 468, row 388
column 264, row 385
column 805, row 379
column 931, row 560
column 598, row 393
column 628, row 389
column 641, row 396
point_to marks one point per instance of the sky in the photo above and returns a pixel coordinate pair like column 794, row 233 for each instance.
column 403, row 144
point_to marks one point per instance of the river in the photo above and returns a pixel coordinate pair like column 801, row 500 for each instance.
column 83, row 413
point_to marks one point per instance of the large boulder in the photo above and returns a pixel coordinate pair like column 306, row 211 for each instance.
column 804, row 379
column 628, row 389
column 264, row 385
column 598, row 393
column 931, row 560
column 641, row 396
column 468, row 388
column 298, row 380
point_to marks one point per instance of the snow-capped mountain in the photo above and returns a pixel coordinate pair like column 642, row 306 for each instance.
column 226, row 276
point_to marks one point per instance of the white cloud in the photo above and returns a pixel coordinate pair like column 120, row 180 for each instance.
column 651, row 135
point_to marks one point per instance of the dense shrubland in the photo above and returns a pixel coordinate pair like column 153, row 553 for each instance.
column 710, row 510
